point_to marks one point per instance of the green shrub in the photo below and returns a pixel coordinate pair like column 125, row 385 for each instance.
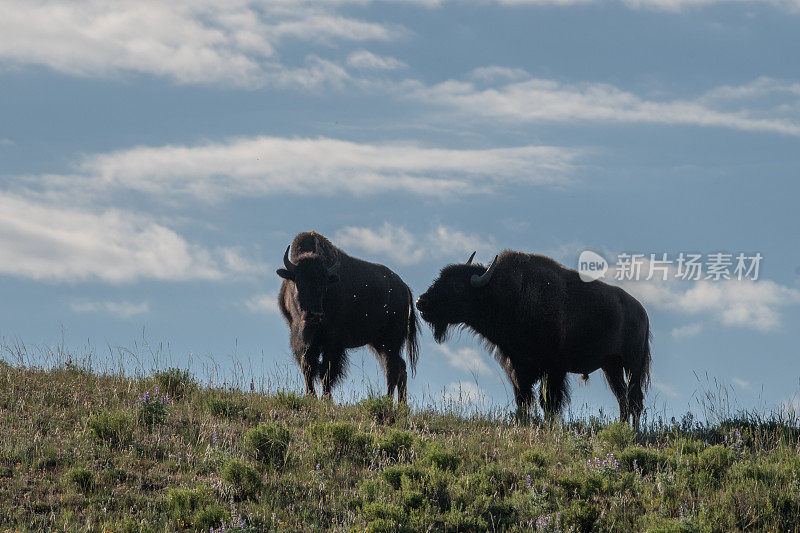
column 243, row 479
column 687, row 447
column 437, row 489
column 49, row 460
column 652, row 523
column 175, row 382
column 394, row 475
column 618, row 435
column 386, row 517
column 370, row 489
column 383, row 409
column 645, row 460
column 183, row 504
column 396, row 443
column 383, row 525
column 459, row 521
column 224, row 406
column 115, row 428
column 501, row 480
column 715, row 461
column 210, row 516
column 292, row 400
column 268, row 442
column 82, row 478
column 443, row 459
column 341, row 439
column 572, row 485
column 535, row 457
column 581, row 516
column 413, row 500
column 153, row 408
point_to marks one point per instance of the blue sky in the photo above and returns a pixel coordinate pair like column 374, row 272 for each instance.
column 156, row 158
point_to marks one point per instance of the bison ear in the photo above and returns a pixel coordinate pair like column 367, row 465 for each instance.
column 333, row 278
column 285, row 274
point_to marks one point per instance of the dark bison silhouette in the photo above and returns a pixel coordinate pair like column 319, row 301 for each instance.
column 542, row 322
column 333, row 302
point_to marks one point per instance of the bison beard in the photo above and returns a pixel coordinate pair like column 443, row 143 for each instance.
column 440, row 331
column 333, row 302
column 543, row 322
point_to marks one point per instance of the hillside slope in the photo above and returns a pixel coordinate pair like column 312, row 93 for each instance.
column 81, row 451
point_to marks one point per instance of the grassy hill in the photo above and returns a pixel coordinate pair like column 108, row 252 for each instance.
column 82, row 451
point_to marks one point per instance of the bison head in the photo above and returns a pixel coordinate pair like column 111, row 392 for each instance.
column 454, row 296
column 312, row 277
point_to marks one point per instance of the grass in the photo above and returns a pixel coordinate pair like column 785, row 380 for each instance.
column 101, row 452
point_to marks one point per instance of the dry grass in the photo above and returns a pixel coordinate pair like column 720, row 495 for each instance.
column 94, row 450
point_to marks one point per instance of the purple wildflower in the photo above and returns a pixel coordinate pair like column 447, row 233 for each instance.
column 543, row 522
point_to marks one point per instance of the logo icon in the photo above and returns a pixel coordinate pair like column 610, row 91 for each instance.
column 591, row 266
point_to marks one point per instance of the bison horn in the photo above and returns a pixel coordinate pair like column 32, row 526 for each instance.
column 286, row 262
column 335, row 266
column 481, row 281
column 469, row 261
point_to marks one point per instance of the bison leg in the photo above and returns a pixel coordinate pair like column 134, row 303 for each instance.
column 308, row 358
column 522, row 383
column 402, row 384
column 395, row 369
column 615, row 375
column 553, row 392
column 332, row 368
column 635, row 397
column 308, row 365
column 396, row 376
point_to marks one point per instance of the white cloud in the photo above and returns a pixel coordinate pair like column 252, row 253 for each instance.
column 123, row 309
column 403, row 247
column 665, row 388
column 233, row 42
column 682, row 5
column 364, row 59
column 566, row 253
column 42, row 242
column 237, row 42
column 657, row 5
column 757, row 88
column 393, row 242
column 264, row 303
column 687, row 331
column 466, row 359
column 235, row 260
column 536, row 100
column 265, row 166
column 6, row 142
column 498, row 73
column 448, row 242
column 739, row 382
column 750, row 304
column 737, row 303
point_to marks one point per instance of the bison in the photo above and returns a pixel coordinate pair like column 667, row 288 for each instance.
column 542, row 322
column 333, row 302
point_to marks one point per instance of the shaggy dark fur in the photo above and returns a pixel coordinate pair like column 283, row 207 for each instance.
column 542, row 322
column 333, row 302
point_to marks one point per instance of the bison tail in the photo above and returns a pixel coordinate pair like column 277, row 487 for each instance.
column 646, row 358
column 412, row 342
